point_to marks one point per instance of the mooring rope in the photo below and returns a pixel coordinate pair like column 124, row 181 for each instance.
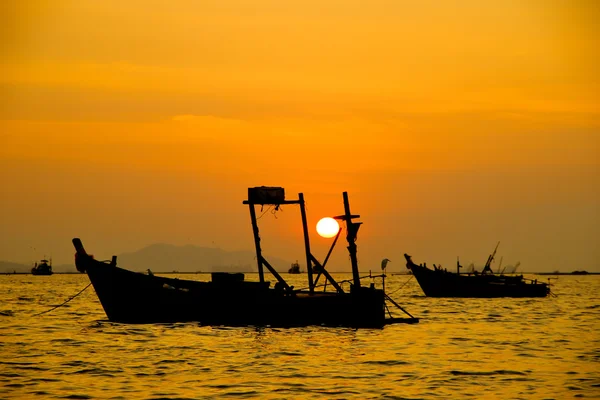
column 60, row 305
column 404, row 284
column 397, row 305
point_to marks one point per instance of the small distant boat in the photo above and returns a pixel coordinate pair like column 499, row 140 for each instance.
column 133, row 297
column 295, row 268
column 439, row 282
column 43, row 268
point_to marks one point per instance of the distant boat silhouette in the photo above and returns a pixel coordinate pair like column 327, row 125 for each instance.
column 438, row 282
column 295, row 268
column 43, row 268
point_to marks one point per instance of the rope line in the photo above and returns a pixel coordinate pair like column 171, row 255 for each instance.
column 403, row 284
column 266, row 211
column 60, row 305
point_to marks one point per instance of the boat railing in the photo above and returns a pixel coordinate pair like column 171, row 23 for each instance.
column 342, row 282
column 386, row 296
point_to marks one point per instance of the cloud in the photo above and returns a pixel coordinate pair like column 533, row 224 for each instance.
column 211, row 124
column 206, row 119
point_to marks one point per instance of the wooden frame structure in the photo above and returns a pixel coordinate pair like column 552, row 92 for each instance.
column 277, row 201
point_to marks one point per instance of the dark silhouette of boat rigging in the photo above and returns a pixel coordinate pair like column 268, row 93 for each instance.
column 43, row 268
column 228, row 299
column 439, row 282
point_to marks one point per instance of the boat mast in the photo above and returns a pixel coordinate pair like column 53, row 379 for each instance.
column 261, row 274
column 265, row 196
column 311, row 285
column 352, row 230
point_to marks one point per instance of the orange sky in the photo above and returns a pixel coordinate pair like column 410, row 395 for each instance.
column 452, row 125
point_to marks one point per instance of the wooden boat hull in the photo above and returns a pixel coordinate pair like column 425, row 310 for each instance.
column 41, row 271
column 441, row 283
column 132, row 297
column 34, row 272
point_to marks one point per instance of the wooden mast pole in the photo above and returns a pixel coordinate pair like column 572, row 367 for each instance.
column 352, row 228
column 306, row 243
column 259, row 258
column 260, row 195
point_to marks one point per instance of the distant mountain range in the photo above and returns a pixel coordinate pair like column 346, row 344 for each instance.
column 189, row 258
column 169, row 258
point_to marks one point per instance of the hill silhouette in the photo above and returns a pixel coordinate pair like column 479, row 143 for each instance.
column 8, row 267
column 162, row 257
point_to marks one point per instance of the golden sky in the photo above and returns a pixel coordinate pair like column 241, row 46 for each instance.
column 452, row 125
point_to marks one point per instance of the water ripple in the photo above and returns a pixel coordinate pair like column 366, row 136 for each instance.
column 463, row 348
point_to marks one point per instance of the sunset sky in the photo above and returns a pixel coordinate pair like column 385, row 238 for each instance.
column 451, row 124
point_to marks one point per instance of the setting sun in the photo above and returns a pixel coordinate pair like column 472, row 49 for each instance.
column 327, row 227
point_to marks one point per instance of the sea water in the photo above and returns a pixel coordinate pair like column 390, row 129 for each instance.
column 542, row 348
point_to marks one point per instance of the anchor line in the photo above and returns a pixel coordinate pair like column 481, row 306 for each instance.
column 397, row 305
column 404, row 284
column 60, row 305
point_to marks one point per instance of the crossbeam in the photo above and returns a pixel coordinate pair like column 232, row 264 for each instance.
column 324, row 272
column 275, row 274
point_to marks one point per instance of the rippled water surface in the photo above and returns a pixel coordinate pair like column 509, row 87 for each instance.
column 463, row 348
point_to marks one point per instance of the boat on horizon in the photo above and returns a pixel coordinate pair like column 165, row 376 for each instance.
column 439, row 282
column 43, row 268
column 228, row 299
column 295, row 268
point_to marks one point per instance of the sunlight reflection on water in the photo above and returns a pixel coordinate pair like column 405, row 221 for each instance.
column 462, row 348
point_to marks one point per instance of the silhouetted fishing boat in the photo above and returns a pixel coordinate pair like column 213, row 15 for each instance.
column 228, row 299
column 295, row 268
column 439, row 282
column 43, row 268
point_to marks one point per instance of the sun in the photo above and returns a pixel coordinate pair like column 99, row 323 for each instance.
column 327, row 227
